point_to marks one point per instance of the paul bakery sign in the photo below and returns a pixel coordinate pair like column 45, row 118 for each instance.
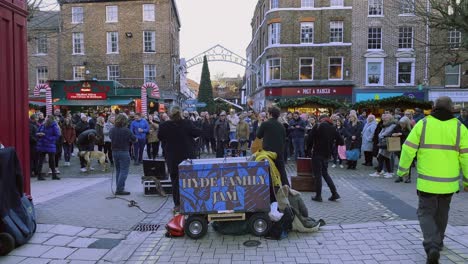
column 309, row 91
column 86, row 91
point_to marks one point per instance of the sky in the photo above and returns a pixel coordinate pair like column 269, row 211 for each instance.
column 206, row 23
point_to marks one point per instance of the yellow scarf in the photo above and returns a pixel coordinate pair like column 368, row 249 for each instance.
column 270, row 156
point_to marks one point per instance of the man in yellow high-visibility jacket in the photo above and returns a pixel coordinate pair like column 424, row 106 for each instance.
column 440, row 143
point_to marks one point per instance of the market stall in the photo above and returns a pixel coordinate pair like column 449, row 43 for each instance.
column 378, row 107
column 312, row 105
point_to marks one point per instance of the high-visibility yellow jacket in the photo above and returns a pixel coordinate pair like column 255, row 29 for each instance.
column 274, row 172
column 442, row 149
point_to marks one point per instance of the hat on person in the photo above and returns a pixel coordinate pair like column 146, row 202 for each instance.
column 223, row 113
column 83, row 115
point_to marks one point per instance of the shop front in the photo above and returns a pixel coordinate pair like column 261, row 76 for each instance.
column 360, row 95
column 459, row 96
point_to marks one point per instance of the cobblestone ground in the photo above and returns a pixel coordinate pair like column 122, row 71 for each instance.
column 374, row 222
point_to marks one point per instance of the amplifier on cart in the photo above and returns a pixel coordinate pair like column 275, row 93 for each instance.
column 155, row 168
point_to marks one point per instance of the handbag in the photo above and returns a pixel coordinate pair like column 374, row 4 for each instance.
column 342, row 152
column 352, row 155
column 393, row 144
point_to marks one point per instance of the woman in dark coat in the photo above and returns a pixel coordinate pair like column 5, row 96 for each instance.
column 178, row 136
column 352, row 132
column 48, row 134
column 402, row 130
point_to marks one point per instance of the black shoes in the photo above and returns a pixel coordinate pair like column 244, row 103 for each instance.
column 408, row 180
column 55, row 178
column 334, row 197
column 317, row 199
column 122, row 193
column 40, row 178
column 433, row 256
column 399, row 179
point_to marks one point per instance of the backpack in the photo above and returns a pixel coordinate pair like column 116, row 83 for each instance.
column 175, row 227
column 20, row 222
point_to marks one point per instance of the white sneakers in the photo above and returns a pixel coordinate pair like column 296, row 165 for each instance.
column 388, row 175
column 341, row 166
column 376, row 174
column 83, row 170
column 380, row 174
column 334, row 166
column 66, row 164
column 91, row 168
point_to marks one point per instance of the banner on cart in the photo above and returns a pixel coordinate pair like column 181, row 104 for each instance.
column 212, row 186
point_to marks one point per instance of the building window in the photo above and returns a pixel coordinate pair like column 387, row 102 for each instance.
column 452, row 75
column 274, row 4
column 273, row 69
column 405, row 38
column 148, row 12
column 78, row 72
column 336, row 3
column 112, row 14
column 406, row 7
column 150, row 73
column 374, row 72
column 307, row 3
column 78, row 43
column 306, row 69
column 149, row 39
column 336, row 31
column 42, row 75
column 405, row 72
column 77, row 15
column 275, row 32
column 375, row 7
column 335, row 68
column 41, row 43
column 374, row 38
column 454, row 39
column 307, row 32
column 112, row 42
column 113, row 72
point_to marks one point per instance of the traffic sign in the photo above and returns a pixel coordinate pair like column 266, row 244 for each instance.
column 191, row 101
column 201, row 104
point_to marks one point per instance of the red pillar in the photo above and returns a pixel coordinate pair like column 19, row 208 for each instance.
column 14, row 82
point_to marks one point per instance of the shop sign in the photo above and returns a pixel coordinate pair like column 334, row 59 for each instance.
column 377, row 96
column 86, row 96
column 456, row 96
column 309, row 91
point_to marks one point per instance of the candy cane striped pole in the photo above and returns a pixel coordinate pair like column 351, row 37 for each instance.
column 144, row 96
column 48, row 92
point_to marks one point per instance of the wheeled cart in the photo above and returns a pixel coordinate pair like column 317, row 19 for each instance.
column 224, row 189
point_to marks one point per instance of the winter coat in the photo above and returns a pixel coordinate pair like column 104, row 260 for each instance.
column 69, row 134
column 136, row 124
column 153, row 133
column 297, row 132
column 386, row 132
column 242, row 131
column 233, row 122
column 208, row 129
column 321, row 140
column 178, row 141
column 99, row 135
column 33, row 126
column 47, row 143
column 221, row 130
column 107, row 128
column 351, row 131
column 367, row 136
column 404, row 133
column 81, row 127
column 84, row 142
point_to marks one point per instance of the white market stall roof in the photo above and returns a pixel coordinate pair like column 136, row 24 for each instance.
column 231, row 103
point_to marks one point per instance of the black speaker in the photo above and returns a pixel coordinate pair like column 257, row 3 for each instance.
column 155, row 168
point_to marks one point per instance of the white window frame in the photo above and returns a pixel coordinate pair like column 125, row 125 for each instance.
column 152, row 41
column 274, row 4
column 374, row 33
column 42, row 74
column 42, row 42
column 336, row 26
column 413, row 66
column 303, row 27
column 81, row 43
column 112, row 14
column 307, row 3
column 77, row 17
column 148, row 68
column 274, row 34
column 459, row 76
column 382, row 66
column 151, row 17
column 76, row 72
column 303, row 66
column 109, row 42
column 407, row 7
column 400, row 39
column 113, row 69
column 336, row 3
column 270, row 66
column 371, row 3
column 454, row 39
column 329, row 67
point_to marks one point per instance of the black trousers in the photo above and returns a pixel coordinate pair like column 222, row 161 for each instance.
column 89, row 147
column 175, row 188
column 320, row 169
column 384, row 160
column 433, row 213
column 279, row 163
column 108, row 151
column 51, row 160
column 368, row 157
column 152, row 149
column 34, row 160
column 220, row 146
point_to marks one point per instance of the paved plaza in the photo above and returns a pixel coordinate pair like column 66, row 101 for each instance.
column 374, row 222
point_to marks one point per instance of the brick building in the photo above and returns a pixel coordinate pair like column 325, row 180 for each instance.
column 302, row 48
column 129, row 41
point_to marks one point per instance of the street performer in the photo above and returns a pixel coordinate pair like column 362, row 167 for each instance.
column 440, row 143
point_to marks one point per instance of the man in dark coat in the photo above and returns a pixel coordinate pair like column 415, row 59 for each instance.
column 177, row 136
column 273, row 134
column 82, row 125
column 34, row 157
column 86, row 142
column 321, row 140
column 221, row 134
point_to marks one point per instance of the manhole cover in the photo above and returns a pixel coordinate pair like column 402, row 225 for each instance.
column 252, row 243
column 146, row 227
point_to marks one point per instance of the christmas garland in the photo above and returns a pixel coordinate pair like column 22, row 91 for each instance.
column 393, row 102
column 321, row 102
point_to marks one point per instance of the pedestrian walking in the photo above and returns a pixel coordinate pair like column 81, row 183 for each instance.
column 48, row 134
column 178, row 136
column 321, row 140
column 121, row 137
column 440, row 142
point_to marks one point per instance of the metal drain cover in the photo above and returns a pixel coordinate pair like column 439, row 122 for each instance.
column 252, row 243
column 146, row 227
